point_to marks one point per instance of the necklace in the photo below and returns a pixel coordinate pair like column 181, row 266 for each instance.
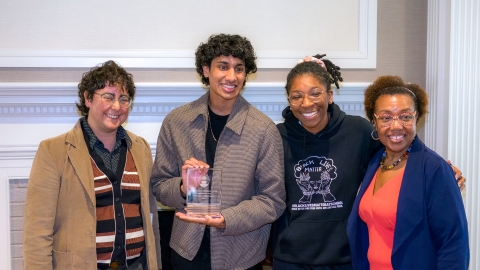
column 218, row 124
column 210, row 126
column 389, row 167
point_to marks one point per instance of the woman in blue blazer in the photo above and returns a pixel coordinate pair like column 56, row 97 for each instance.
column 408, row 213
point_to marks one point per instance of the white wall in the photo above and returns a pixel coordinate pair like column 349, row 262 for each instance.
column 166, row 33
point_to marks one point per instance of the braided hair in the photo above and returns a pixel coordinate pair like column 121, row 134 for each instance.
column 331, row 75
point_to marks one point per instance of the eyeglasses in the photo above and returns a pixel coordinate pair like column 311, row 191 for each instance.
column 296, row 98
column 404, row 119
column 108, row 99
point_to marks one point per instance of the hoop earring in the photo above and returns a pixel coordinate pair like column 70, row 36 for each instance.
column 371, row 134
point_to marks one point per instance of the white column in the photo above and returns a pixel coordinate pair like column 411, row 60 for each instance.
column 453, row 83
column 436, row 124
column 464, row 114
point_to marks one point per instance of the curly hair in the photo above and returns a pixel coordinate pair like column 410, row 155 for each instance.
column 108, row 73
column 223, row 44
column 326, row 77
column 391, row 85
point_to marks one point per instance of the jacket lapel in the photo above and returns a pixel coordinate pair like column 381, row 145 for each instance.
column 198, row 122
column 80, row 159
column 410, row 209
column 238, row 115
column 357, row 229
column 233, row 130
column 138, row 158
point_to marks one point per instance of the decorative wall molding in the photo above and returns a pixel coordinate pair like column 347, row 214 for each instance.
column 31, row 112
column 363, row 57
column 51, row 102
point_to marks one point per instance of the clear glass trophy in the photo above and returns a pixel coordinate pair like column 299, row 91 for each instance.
column 204, row 194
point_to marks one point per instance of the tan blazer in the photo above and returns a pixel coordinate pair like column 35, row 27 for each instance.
column 60, row 222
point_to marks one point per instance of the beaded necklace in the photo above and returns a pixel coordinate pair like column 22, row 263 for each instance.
column 389, row 167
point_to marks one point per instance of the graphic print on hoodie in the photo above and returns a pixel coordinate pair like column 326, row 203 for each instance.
column 314, row 175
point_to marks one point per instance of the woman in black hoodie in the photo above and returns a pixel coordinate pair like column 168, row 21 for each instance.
column 326, row 155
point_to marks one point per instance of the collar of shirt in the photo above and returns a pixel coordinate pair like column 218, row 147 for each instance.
column 199, row 108
column 121, row 134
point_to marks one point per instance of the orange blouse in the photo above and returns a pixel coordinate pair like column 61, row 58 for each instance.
column 379, row 212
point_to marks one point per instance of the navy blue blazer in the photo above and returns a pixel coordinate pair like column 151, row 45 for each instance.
column 431, row 229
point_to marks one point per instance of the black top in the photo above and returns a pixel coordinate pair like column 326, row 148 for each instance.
column 216, row 125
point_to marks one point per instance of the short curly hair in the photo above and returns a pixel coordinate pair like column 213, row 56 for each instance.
column 224, row 44
column 391, row 85
column 326, row 77
column 108, row 73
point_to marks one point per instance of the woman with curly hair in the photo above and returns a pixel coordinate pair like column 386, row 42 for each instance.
column 89, row 203
column 221, row 130
column 409, row 212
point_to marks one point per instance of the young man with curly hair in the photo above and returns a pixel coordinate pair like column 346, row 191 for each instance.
column 89, row 204
column 222, row 130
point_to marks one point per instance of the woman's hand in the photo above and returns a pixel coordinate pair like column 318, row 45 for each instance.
column 458, row 175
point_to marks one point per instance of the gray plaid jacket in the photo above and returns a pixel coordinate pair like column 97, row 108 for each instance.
column 250, row 155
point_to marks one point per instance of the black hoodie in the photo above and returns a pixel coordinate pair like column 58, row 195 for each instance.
column 322, row 174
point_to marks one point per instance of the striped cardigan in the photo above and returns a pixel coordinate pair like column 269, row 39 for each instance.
column 120, row 232
column 250, row 155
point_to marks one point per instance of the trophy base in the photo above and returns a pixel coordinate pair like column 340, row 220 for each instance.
column 202, row 210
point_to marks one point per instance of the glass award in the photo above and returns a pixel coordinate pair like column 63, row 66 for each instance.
column 204, row 188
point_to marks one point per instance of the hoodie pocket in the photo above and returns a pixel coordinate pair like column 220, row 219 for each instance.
column 314, row 243
column 62, row 260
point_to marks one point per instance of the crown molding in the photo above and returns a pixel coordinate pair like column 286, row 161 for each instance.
column 48, row 109
column 55, row 102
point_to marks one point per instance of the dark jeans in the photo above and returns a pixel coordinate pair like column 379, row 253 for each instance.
column 139, row 264
column 201, row 260
column 165, row 221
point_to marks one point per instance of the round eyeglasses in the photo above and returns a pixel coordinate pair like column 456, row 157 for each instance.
column 296, row 98
column 404, row 119
column 108, row 99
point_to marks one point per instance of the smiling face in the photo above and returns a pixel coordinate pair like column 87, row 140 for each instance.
column 396, row 138
column 313, row 116
column 103, row 118
column 226, row 75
